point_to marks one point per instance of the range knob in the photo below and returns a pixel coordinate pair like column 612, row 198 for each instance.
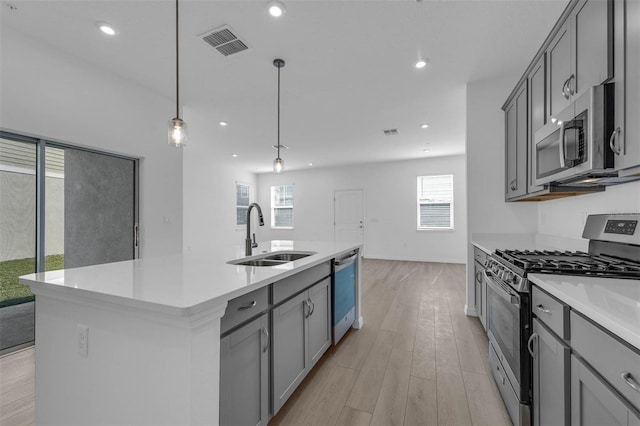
column 508, row 276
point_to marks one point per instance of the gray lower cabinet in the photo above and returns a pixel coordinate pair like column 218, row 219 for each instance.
column 301, row 335
column 593, row 402
column 244, row 374
column 551, row 386
column 481, row 294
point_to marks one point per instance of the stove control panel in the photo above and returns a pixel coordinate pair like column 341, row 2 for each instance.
column 622, row 227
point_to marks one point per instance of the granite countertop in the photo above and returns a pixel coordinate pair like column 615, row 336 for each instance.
column 490, row 242
column 612, row 303
column 181, row 284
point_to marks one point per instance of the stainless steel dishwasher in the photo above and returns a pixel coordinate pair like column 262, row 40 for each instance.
column 344, row 294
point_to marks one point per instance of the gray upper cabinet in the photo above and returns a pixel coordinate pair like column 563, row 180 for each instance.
column 559, row 70
column 592, row 401
column 626, row 139
column 581, row 53
column 551, row 386
column 537, row 116
column 516, row 144
column 244, row 374
column 301, row 335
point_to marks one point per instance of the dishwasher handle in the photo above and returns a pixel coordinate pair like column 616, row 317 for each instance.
column 346, row 260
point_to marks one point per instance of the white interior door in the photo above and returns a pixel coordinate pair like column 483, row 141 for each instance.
column 348, row 219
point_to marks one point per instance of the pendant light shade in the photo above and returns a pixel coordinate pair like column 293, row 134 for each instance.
column 278, row 163
column 177, row 133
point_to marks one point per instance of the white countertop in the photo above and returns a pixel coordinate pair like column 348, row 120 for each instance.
column 182, row 284
column 612, row 303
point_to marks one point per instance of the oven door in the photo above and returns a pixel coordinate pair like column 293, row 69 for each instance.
column 504, row 319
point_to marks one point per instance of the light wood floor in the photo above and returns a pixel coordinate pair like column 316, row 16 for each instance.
column 418, row 360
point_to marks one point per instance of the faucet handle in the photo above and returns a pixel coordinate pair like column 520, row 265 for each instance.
column 254, row 244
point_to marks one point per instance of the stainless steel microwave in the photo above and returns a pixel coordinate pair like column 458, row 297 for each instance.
column 574, row 144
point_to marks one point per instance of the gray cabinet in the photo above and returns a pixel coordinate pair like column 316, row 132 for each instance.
column 244, row 374
column 537, row 117
column 301, row 335
column 581, row 53
column 551, row 386
column 516, row 144
column 481, row 294
column 593, row 402
column 626, row 140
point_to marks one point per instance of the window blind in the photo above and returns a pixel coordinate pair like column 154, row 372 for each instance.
column 435, row 202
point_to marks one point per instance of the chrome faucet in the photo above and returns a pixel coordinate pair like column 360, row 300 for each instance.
column 248, row 244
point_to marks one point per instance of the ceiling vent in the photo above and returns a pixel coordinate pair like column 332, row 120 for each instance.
column 390, row 132
column 224, row 40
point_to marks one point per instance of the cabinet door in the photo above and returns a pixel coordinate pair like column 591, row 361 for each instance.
column 516, row 143
column 558, row 70
column 627, row 87
column 592, row 403
column 481, row 296
column 290, row 360
column 538, row 117
column 244, row 375
column 551, row 386
column 319, row 320
column 591, row 53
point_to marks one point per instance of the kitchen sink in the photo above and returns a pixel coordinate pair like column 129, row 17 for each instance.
column 272, row 259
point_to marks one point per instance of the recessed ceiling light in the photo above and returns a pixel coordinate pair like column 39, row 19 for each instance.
column 234, row 155
column 424, row 126
column 107, row 29
column 311, row 164
column 223, row 123
column 276, row 8
column 421, row 63
column 426, row 150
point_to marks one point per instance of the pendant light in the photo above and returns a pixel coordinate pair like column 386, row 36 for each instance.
column 177, row 127
column 278, row 163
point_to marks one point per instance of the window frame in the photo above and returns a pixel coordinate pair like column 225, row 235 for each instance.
column 451, row 202
column 251, row 197
column 273, row 207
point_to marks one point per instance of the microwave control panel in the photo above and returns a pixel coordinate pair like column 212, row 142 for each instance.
column 621, row 227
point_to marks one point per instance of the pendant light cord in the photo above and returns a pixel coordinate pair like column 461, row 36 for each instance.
column 177, row 67
column 279, row 111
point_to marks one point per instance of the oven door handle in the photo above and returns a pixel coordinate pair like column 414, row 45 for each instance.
column 501, row 291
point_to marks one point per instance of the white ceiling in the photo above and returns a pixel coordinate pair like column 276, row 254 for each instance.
column 349, row 67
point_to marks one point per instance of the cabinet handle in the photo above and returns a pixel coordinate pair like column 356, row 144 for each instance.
column 612, row 141
column 541, row 308
column 479, row 276
column 266, row 335
column 564, row 89
column 247, row 306
column 529, row 344
column 513, row 184
column 312, row 306
column 308, row 308
column 629, row 380
column 571, row 91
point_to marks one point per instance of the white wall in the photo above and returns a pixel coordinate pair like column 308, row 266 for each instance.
column 389, row 207
column 49, row 94
column 487, row 210
column 209, row 193
column 565, row 217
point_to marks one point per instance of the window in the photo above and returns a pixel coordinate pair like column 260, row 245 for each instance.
column 242, row 203
column 282, row 206
column 435, row 202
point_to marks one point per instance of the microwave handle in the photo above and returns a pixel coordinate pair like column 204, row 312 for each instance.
column 561, row 147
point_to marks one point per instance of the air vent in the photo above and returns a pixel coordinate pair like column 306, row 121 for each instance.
column 390, row 132
column 224, row 40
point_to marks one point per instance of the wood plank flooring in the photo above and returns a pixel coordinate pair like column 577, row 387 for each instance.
column 418, row 360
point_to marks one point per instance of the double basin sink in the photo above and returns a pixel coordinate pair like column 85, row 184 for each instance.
column 272, row 259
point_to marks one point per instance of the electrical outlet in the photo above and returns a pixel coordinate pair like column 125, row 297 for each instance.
column 83, row 340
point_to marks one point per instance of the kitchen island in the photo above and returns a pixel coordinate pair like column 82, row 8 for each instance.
column 138, row 342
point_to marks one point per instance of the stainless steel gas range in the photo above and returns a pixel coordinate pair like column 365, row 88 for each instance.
column 614, row 251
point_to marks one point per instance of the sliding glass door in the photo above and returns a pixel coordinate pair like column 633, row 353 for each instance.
column 60, row 207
